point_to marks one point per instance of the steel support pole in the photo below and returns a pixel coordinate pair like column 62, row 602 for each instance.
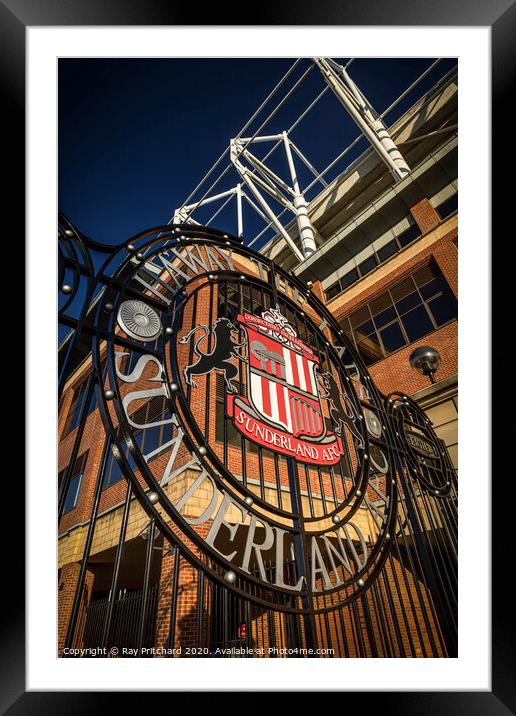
column 240, row 225
column 304, row 224
column 360, row 110
column 269, row 212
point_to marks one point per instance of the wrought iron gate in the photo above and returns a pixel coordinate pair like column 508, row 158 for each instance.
column 251, row 482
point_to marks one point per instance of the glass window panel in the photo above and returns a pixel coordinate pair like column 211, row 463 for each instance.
column 361, row 316
column 345, row 326
column 113, row 472
column 426, row 274
column 75, row 409
column 392, row 337
column 402, row 289
column 332, row 291
column 246, row 297
column 407, row 303
column 349, row 278
column 417, row 323
column 443, row 308
column 385, row 317
column 433, row 288
column 73, row 493
column 370, row 351
column 367, row 265
column 409, row 235
column 364, row 330
column 380, row 304
column 231, row 293
column 152, row 438
column 387, row 251
column 447, row 207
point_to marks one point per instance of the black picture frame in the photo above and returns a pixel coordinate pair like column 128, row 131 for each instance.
column 500, row 16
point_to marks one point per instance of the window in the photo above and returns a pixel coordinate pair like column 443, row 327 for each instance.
column 405, row 313
column 333, row 291
column 75, row 483
column 148, row 439
column 79, row 395
column 348, row 279
column 378, row 257
column 387, row 251
column 409, row 235
column 447, row 207
column 112, row 473
column 368, row 265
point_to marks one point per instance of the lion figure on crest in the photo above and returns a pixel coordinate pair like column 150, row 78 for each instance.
column 219, row 358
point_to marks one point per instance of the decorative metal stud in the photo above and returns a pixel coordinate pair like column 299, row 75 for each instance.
column 230, row 576
column 361, row 583
column 249, row 500
column 358, row 493
column 153, row 497
column 387, row 536
column 108, row 307
column 242, row 277
column 139, row 256
column 211, row 277
column 335, row 519
column 109, row 394
column 177, row 229
column 68, row 232
column 139, row 321
column 228, row 243
column 131, row 247
column 169, row 331
column 174, row 387
column 203, row 451
column 66, row 288
column 225, row 236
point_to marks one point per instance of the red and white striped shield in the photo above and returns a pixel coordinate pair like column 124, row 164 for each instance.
column 282, row 380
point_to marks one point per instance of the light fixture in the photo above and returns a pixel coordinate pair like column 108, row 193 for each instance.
column 425, row 360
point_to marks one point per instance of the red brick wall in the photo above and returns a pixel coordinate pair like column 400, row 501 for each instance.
column 425, row 215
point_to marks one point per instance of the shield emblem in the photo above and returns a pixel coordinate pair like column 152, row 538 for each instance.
column 282, row 384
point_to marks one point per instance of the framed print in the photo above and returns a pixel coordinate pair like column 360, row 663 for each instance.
column 249, row 444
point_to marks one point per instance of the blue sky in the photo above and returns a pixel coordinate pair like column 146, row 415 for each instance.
column 136, row 135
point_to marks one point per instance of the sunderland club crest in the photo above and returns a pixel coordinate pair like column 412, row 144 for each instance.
column 282, row 409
